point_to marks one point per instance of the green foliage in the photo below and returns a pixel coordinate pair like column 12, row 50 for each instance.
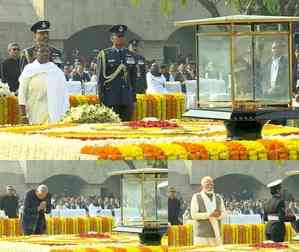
column 261, row 7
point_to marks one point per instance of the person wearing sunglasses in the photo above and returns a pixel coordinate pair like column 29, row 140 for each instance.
column 10, row 68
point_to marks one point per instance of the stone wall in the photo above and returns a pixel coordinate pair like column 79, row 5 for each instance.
column 69, row 17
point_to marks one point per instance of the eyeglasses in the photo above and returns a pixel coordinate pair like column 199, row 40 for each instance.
column 15, row 49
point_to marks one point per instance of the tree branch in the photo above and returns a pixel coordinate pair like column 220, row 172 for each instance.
column 249, row 7
column 210, row 7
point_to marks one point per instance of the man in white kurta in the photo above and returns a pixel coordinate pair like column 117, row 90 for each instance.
column 43, row 90
column 207, row 210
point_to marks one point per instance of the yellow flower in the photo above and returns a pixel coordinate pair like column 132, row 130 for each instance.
column 217, row 150
column 255, row 149
column 173, row 151
column 131, row 152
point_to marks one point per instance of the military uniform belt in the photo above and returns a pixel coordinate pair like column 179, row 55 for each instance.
column 273, row 218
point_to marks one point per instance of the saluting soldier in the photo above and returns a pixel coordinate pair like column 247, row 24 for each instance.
column 116, row 75
column 275, row 213
column 141, row 84
column 41, row 37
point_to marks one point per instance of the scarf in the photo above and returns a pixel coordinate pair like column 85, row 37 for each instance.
column 58, row 100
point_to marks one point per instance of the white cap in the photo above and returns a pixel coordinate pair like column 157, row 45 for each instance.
column 275, row 183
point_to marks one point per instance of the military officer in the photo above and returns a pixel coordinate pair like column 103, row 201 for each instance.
column 141, row 84
column 41, row 37
column 275, row 213
column 116, row 75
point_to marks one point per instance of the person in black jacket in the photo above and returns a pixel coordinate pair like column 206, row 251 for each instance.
column 37, row 203
column 10, row 202
column 10, row 68
column 174, row 207
column 141, row 84
column 275, row 214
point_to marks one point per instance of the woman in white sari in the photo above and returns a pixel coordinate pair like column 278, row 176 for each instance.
column 43, row 96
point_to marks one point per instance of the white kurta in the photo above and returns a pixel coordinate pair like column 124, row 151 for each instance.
column 43, row 91
column 196, row 215
column 155, row 84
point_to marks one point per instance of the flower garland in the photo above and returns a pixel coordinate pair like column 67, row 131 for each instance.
column 62, row 225
column 235, row 150
column 9, row 113
column 182, row 235
column 162, row 106
column 77, row 100
column 190, row 140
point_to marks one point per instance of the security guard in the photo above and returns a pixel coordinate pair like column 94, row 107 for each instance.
column 141, row 84
column 117, row 72
column 41, row 37
column 275, row 213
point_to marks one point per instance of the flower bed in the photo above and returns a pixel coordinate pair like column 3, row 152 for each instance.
column 71, row 243
column 179, row 236
column 61, row 225
column 190, row 140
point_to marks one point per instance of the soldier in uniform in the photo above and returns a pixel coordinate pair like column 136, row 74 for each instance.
column 116, row 75
column 141, row 84
column 41, row 37
column 275, row 213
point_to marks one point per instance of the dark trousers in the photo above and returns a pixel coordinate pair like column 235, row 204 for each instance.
column 275, row 232
column 125, row 112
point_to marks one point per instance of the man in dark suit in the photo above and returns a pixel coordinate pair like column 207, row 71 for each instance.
column 37, row 202
column 275, row 214
column 116, row 75
column 174, row 207
column 10, row 202
column 141, row 84
column 10, row 68
column 41, row 37
column 276, row 73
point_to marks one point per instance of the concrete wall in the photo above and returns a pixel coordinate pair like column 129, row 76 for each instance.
column 186, row 175
column 69, row 17
column 83, row 177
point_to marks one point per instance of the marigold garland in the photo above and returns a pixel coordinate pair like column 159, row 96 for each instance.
column 235, row 150
column 162, row 106
column 231, row 234
column 76, row 100
column 62, row 225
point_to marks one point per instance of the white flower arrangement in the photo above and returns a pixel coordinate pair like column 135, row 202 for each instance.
column 91, row 114
column 4, row 90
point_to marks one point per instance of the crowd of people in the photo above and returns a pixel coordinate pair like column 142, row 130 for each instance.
column 236, row 203
column 13, row 205
column 85, row 202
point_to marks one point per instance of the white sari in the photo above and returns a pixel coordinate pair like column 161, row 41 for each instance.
column 44, row 93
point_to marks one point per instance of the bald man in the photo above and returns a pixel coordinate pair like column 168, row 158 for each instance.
column 37, row 202
column 207, row 209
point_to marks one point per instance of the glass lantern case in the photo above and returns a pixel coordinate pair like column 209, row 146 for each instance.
column 144, row 203
column 244, row 71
